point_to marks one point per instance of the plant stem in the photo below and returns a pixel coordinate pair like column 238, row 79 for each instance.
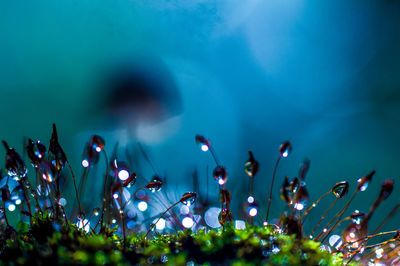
column 272, row 184
column 154, row 224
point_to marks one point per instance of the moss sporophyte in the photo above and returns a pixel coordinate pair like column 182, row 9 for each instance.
column 186, row 231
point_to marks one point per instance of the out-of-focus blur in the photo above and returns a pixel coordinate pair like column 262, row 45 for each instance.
column 246, row 74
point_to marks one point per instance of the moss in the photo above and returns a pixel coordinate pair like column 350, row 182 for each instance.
column 48, row 241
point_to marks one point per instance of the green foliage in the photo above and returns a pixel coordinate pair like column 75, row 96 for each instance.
column 48, row 242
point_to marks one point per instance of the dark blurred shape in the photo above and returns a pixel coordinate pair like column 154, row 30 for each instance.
column 142, row 89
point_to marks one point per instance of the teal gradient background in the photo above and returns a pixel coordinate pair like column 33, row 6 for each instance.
column 247, row 74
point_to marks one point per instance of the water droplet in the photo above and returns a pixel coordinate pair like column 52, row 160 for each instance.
column 357, row 216
column 379, row 253
column 42, row 190
column 187, row 222
column 142, row 206
column 364, row 181
column 155, row 184
column 160, row 225
column 386, row 189
column 85, row 163
column 189, row 198
column 220, row 175
column 15, row 166
column 340, row 189
column 85, row 225
column 250, row 199
column 164, row 258
column 294, row 186
column 301, row 198
column 10, row 206
column 354, row 232
column 241, row 225
column 130, row 181
column 62, row 202
column 285, row 149
column 211, row 217
column 36, row 152
column 335, row 241
column 17, row 195
column 97, row 143
column 325, row 248
column 252, row 209
column 251, row 166
column 47, row 171
column 203, row 143
column 90, row 157
column 275, row 249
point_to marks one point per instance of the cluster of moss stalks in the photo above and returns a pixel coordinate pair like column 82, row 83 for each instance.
column 49, row 242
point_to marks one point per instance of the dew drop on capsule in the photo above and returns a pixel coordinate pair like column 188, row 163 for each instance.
column 36, row 152
column 47, row 171
column 123, row 171
column 156, row 184
column 97, row 143
column 357, row 217
column 340, row 189
column 130, row 181
column 285, row 149
column 90, row 157
column 15, row 166
column 251, row 166
column 220, row 175
column 363, row 182
column 203, row 143
column 386, row 189
column 189, row 198
column 301, row 198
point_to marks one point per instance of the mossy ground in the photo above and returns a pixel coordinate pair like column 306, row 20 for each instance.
column 50, row 242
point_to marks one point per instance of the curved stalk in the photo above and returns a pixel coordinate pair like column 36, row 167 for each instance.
column 323, row 217
column 154, row 224
column 272, row 184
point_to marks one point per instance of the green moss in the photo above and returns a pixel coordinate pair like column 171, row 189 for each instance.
column 47, row 242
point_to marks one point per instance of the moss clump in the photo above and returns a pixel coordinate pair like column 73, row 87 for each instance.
column 47, row 241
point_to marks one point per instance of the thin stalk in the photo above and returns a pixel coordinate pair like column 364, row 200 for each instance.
column 154, row 224
column 368, row 247
column 340, row 216
column 132, row 196
column 76, row 190
column 28, row 202
column 213, row 154
column 33, row 194
column 94, row 212
column 83, row 181
column 367, row 238
column 323, row 217
column 272, row 184
column 5, row 214
column 313, row 205
column 251, row 194
column 121, row 212
column 104, row 189
column 390, row 215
